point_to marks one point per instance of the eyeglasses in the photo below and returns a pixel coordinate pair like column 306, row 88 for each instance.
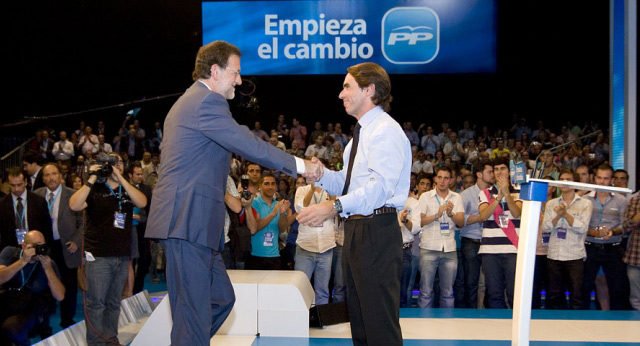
column 235, row 73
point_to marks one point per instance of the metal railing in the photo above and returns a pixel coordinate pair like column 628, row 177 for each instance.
column 14, row 157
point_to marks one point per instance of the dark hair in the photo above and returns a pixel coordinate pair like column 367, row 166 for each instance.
column 266, row 175
column 480, row 165
column 214, row 53
column 32, row 156
column 424, row 176
column 369, row 73
column 16, row 172
column 621, row 171
column 445, row 168
column 135, row 164
column 500, row 161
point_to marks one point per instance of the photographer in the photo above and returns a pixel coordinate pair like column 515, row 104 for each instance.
column 29, row 280
column 109, row 200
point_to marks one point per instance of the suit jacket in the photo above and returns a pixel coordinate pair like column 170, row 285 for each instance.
column 38, row 183
column 69, row 226
column 199, row 136
column 37, row 218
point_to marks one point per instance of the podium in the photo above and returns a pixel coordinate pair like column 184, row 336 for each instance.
column 533, row 193
column 269, row 303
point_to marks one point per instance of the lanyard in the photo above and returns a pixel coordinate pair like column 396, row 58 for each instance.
column 438, row 199
column 602, row 206
column 315, row 200
column 116, row 196
column 52, row 203
column 24, row 282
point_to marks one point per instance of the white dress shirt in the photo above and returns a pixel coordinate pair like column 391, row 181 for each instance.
column 63, row 150
column 411, row 206
column 53, row 209
column 381, row 171
column 572, row 247
column 432, row 237
column 314, row 239
column 24, row 204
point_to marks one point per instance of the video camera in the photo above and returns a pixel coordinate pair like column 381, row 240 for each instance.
column 106, row 170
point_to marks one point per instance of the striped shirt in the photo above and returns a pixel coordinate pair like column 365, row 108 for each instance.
column 494, row 240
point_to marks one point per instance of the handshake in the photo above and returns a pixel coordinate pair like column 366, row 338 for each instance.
column 313, row 170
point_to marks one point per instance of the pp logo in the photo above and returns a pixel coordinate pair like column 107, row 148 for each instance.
column 410, row 35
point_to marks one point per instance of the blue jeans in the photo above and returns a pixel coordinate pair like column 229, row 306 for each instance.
column 415, row 265
column 405, row 286
column 318, row 266
column 634, row 279
column 446, row 265
column 106, row 277
column 471, row 262
column 499, row 275
column 339, row 290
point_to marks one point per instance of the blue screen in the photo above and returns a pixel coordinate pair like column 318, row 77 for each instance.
column 326, row 37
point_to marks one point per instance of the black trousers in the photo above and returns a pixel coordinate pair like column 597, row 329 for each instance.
column 69, row 278
column 372, row 266
column 563, row 274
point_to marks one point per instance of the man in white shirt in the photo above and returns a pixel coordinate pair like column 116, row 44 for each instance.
column 63, row 149
column 315, row 243
column 317, row 149
column 567, row 219
column 440, row 212
column 421, row 165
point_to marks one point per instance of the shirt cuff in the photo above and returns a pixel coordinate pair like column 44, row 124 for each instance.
column 299, row 165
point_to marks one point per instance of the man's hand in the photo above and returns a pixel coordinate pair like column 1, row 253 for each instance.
column 71, row 247
column 284, row 206
column 45, row 261
column 316, row 214
column 403, row 215
column 28, row 253
column 503, row 185
column 449, row 208
column 313, row 170
column 560, row 209
column 246, row 203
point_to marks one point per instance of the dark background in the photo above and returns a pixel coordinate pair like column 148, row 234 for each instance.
column 68, row 57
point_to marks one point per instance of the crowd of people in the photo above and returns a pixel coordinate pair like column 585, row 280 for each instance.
column 459, row 226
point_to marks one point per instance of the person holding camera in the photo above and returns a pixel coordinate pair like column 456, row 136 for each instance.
column 29, row 281
column 108, row 199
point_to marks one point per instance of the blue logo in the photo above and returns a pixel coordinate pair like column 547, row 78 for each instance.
column 410, row 35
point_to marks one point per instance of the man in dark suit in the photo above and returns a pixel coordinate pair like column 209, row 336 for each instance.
column 67, row 237
column 187, row 209
column 144, row 245
column 32, row 162
column 21, row 211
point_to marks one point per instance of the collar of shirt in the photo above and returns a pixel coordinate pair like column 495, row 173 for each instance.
column 575, row 198
column 205, row 84
column 433, row 193
column 594, row 194
column 54, row 191
column 23, row 195
column 370, row 116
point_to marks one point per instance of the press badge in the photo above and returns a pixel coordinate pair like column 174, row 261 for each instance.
column 503, row 220
column 20, row 233
column 267, row 239
column 562, row 233
column 444, row 229
column 118, row 219
column 545, row 238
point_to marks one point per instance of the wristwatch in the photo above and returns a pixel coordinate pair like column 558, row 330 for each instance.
column 337, row 206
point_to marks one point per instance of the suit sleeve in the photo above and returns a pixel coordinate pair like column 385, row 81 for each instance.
column 215, row 122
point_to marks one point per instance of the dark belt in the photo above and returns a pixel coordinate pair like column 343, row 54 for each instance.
column 601, row 246
column 407, row 245
column 379, row 211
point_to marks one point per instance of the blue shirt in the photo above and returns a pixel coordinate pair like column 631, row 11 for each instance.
column 609, row 214
column 381, row 169
column 470, row 203
column 265, row 242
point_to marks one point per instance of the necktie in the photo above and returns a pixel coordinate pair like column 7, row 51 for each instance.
column 51, row 198
column 19, row 213
column 352, row 156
